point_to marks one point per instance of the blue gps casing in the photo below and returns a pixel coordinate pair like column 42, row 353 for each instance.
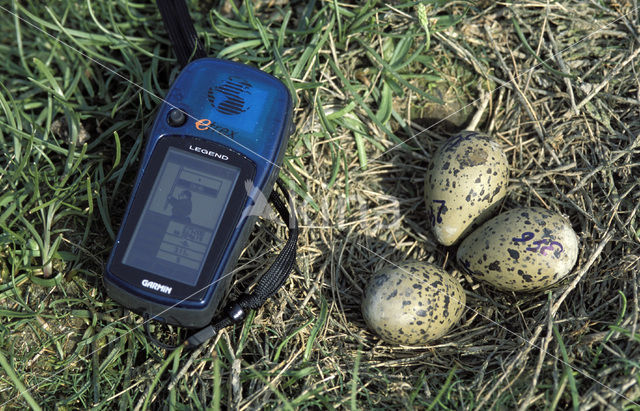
column 216, row 111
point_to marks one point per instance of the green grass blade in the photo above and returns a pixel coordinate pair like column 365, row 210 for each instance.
column 285, row 401
column 355, row 379
column 288, row 338
column 217, row 384
column 317, row 327
column 445, row 387
column 362, row 104
column 527, row 47
column 386, row 104
column 17, row 383
column 573, row 389
column 612, row 330
column 395, row 75
column 156, row 379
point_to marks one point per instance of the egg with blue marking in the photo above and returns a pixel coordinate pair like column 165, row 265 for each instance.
column 523, row 249
column 464, row 183
column 412, row 303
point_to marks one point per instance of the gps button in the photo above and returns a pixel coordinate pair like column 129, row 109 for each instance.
column 176, row 117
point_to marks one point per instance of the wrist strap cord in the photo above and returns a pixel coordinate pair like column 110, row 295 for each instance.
column 270, row 281
column 186, row 45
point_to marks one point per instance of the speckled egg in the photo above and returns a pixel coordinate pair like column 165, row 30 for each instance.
column 412, row 303
column 464, row 183
column 520, row 250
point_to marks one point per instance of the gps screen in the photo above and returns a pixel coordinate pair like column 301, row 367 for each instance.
column 181, row 216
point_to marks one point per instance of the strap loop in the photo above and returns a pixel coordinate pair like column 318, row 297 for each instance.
column 270, row 281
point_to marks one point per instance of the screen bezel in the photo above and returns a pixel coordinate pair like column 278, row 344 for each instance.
column 235, row 206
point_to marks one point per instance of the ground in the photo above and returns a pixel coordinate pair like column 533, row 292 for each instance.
column 378, row 87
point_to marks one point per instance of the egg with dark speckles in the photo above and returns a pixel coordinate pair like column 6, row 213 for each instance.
column 465, row 181
column 412, row 303
column 523, row 249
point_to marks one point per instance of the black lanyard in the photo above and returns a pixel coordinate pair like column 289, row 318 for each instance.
column 182, row 34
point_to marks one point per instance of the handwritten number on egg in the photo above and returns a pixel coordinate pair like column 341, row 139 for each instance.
column 433, row 218
column 526, row 236
column 538, row 244
column 549, row 247
column 439, row 217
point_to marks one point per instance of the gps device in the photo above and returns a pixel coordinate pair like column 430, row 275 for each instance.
column 217, row 142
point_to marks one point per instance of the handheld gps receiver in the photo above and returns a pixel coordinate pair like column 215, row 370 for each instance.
column 218, row 139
